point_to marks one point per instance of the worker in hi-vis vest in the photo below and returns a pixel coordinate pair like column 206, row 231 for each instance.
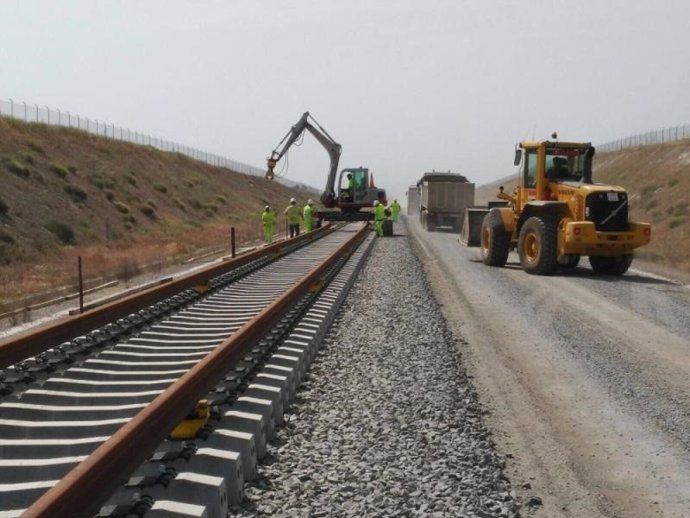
column 308, row 217
column 268, row 217
column 379, row 217
column 395, row 210
column 293, row 216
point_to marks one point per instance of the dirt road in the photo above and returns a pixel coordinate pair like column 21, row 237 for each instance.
column 586, row 379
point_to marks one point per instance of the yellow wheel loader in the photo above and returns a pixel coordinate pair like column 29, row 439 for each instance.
column 558, row 214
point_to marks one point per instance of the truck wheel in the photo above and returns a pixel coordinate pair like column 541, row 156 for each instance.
column 537, row 245
column 495, row 241
column 616, row 265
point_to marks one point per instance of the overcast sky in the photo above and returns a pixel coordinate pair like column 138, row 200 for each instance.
column 404, row 86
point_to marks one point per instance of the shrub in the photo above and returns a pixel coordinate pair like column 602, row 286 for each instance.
column 6, row 238
column 35, row 147
column 62, row 231
column 58, row 170
column 4, row 208
column 650, row 203
column 98, row 182
column 149, row 212
column 676, row 222
column 673, row 182
column 151, row 203
column 77, row 194
column 101, row 182
column 222, row 199
column 29, row 159
column 196, row 204
column 72, row 169
column 210, row 207
column 121, row 207
column 131, row 180
column 648, row 190
column 189, row 184
column 110, row 195
column 161, row 188
column 127, row 270
column 178, row 203
column 128, row 218
column 17, row 169
column 680, row 209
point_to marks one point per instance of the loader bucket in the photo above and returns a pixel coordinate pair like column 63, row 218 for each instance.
column 471, row 234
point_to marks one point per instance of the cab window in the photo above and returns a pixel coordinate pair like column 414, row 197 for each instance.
column 530, row 172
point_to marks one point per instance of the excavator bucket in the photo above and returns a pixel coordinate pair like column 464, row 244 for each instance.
column 271, row 163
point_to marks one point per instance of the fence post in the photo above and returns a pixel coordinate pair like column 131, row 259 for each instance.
column 36, row 105
column 81, row 287
column 232, row 241
column 26, row 116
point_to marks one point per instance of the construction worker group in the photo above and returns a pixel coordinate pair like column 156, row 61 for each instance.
column 381, row 214
column 294, row 215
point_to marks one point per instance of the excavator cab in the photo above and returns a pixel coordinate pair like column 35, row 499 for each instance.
column 356, row 189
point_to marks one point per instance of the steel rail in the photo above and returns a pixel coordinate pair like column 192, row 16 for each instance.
column 39, row 340
column 84, row 489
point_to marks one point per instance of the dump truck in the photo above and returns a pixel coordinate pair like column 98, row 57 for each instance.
column 443, row 199
column 558, row 214
column 412, row 200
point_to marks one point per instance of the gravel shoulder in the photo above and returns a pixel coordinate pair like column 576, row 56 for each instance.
column 586, row 378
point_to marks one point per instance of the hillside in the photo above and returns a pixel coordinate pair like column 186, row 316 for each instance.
column 658, row 180
column 121, row 206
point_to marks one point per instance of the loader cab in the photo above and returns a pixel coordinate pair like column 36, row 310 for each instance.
column 543, row 162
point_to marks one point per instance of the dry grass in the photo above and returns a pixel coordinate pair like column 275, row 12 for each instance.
column 73, row 181
column 658, row 180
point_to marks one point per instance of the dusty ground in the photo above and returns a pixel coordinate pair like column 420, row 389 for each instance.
column 586, row 380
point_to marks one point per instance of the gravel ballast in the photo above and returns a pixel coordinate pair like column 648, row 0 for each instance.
column 387, row 423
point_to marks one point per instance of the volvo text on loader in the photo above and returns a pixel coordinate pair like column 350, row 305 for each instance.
column 558, row 214
column 355, row 187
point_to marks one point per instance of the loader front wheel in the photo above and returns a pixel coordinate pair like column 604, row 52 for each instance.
column 537, row 245
column 616, row 265
column 495, row 241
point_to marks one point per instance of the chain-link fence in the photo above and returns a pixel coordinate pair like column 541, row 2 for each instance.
column 661, row 136
column 34, row 113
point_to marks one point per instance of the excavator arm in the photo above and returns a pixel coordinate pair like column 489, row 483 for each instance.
column 307, row 122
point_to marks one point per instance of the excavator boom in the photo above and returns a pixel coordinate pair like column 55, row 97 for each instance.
column 308, row 123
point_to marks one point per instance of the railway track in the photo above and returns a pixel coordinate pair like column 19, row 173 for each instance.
column 85, row 425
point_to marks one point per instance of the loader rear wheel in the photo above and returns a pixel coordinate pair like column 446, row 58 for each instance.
column 495, row 241
column 616, row 265
column 537, row 245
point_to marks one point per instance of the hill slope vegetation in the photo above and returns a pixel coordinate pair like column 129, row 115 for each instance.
column 64, row 192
